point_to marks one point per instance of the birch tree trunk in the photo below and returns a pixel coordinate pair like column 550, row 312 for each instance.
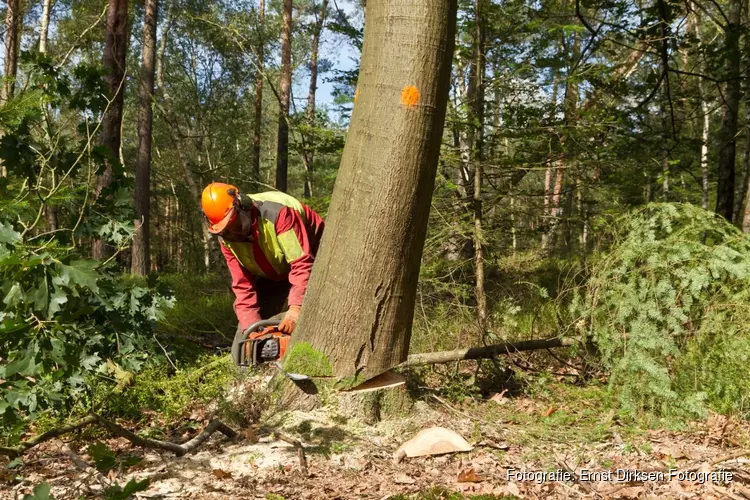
column 285, row 87
column 115, row 52
column 363, row 285
column 44, row 25
column 140, row 263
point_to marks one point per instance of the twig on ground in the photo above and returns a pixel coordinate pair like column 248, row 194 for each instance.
column 589, row 489
column 300, row 450
column 724, row 493
column 85, row 467
column 722, row 458
column 450, row 407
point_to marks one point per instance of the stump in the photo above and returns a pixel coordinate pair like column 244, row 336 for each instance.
column 380, row 398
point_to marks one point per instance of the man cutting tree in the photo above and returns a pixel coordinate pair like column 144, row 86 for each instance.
column 269, row 241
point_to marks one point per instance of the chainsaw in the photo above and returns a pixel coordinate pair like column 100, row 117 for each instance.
column 263, row 343
column 260, row 343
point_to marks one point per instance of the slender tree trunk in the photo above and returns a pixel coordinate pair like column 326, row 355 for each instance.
column 694, row 27
column 285, row 87
column 547, row 200
column 178, row 140
column 665, row 103
column 141, row 243
column 257, row 124
column 478, row 68
column 12, row 40
column 309, row 155
column 44, row 28
column 730, row 110
column 51, row 210
column 570, row 110
column 384, row 186
column 664, row 116
column 115, row 52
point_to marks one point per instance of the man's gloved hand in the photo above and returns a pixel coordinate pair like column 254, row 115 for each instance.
column 290, row 320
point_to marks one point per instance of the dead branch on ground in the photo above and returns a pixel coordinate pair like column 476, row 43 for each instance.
column 118, row 430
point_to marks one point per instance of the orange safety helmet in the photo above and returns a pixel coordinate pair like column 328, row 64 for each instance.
column 220, row 203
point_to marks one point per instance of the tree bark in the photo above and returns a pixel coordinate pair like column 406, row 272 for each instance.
column 44, row 28
column 730, row 110
column 51, row 210
column 115, row 53
column 12, row 40
column 285, row 87
column 742, row 215
column 570, row 111
column 141, row 261
column 478, row 70
column 364, row 282
column 257, row 124
column 309, row 155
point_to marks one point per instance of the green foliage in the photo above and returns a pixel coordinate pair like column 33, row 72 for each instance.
column 667, row 307
column 105, row 459
column 41, row 492
column 169, row 395
column 117, row 492
column 61, row 319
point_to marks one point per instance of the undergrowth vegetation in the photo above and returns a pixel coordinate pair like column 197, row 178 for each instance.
column 667, row 307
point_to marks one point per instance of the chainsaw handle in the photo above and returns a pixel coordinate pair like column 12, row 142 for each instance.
column 258, row 325
column 240, row 339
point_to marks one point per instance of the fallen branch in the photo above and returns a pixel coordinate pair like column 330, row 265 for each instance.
column 118, row 430
column 59, row 431
column 722, row 458
column 490, row 351
column 177, row 449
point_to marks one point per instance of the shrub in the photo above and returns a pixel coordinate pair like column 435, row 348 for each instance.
column 63, row 320
column 667, row 307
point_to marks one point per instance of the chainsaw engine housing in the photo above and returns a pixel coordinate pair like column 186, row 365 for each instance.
column 262, row 343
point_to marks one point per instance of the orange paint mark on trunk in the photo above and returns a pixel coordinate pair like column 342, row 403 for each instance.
column 356, row 93
column 410, row 96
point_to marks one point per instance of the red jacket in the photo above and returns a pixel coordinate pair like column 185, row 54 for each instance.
column 285, row 239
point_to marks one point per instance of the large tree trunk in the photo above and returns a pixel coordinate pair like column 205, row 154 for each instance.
column 285, row 87
column 115, row 52
column 44, row 27
column 357, row 317
column 141, row 242
column 12, row 39
column 309, row 155
column 730, row 110
column 257, row 124
column 478, row 70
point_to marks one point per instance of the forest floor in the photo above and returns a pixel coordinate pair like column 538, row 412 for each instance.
column 562, row 428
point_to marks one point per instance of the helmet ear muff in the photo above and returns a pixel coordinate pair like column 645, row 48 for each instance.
column 237, row 199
